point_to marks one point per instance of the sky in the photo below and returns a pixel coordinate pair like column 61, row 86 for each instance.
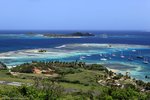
column 75, row 15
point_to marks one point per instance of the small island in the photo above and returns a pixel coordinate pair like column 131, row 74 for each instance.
column 71, row 35
column 76, row 34
column 42, row 50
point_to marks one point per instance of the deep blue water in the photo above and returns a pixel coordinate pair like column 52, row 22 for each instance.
column 21, row 41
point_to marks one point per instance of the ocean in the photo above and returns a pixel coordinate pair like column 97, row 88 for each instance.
column 119, row 50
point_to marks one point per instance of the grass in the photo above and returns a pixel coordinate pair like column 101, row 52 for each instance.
column 21, row 77
column 5, row 77
column 85, row 77
column 31, row 75
column 87, row 80
column 3, row 73
column 5, row 87
column 80, row 86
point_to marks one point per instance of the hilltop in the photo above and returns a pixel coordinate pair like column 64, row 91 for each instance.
column 73, row 80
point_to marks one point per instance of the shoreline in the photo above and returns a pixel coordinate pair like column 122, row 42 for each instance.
column 61, row 52
column 86, row 45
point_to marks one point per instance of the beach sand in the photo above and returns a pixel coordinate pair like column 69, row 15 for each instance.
column 113, row 70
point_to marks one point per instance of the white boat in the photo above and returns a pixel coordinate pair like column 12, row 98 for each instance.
column 113, row 55
column 130, row 58
column 82, row 57
column 103, row 59
column 122, row 56
column 101, row 55
column 133, row 50
column 88, row 55
column 145, row 61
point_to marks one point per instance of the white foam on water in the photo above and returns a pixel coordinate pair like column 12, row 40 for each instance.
column 62, row 46
column 123, row 46
column 58, row 53
column 85, row 49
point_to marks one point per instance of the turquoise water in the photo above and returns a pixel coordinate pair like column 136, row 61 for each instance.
column 115, row 50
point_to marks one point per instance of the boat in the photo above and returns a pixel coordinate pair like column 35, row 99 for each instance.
column 140, row 56
column 133, row 50
column 109, row 56
column 113, row 55
column 103, row 59
column 122, row 56
column 147, row 77
column 130, row 58
column 82, row 57
column 145, row 61
column 101, row 55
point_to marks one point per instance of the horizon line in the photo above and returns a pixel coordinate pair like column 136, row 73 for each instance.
column 67, row 30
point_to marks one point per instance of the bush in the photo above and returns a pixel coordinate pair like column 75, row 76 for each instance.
column 118, row 76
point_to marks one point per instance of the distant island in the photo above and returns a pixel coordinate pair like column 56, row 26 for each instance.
column 55, row 35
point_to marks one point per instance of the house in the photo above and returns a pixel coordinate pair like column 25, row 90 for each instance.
column 49, row 71
column 36, row 70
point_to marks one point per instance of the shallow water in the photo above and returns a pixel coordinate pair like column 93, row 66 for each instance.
column 20, row 48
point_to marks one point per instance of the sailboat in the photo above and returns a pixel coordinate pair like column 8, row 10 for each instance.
column 122, row 56
column 145, row 61
column 82, row 57
column 109, row 56
column 140, row 56
column 133, row 50
column 130, row 58
column 113, row 55
column 101, row 55
column 103, row 59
